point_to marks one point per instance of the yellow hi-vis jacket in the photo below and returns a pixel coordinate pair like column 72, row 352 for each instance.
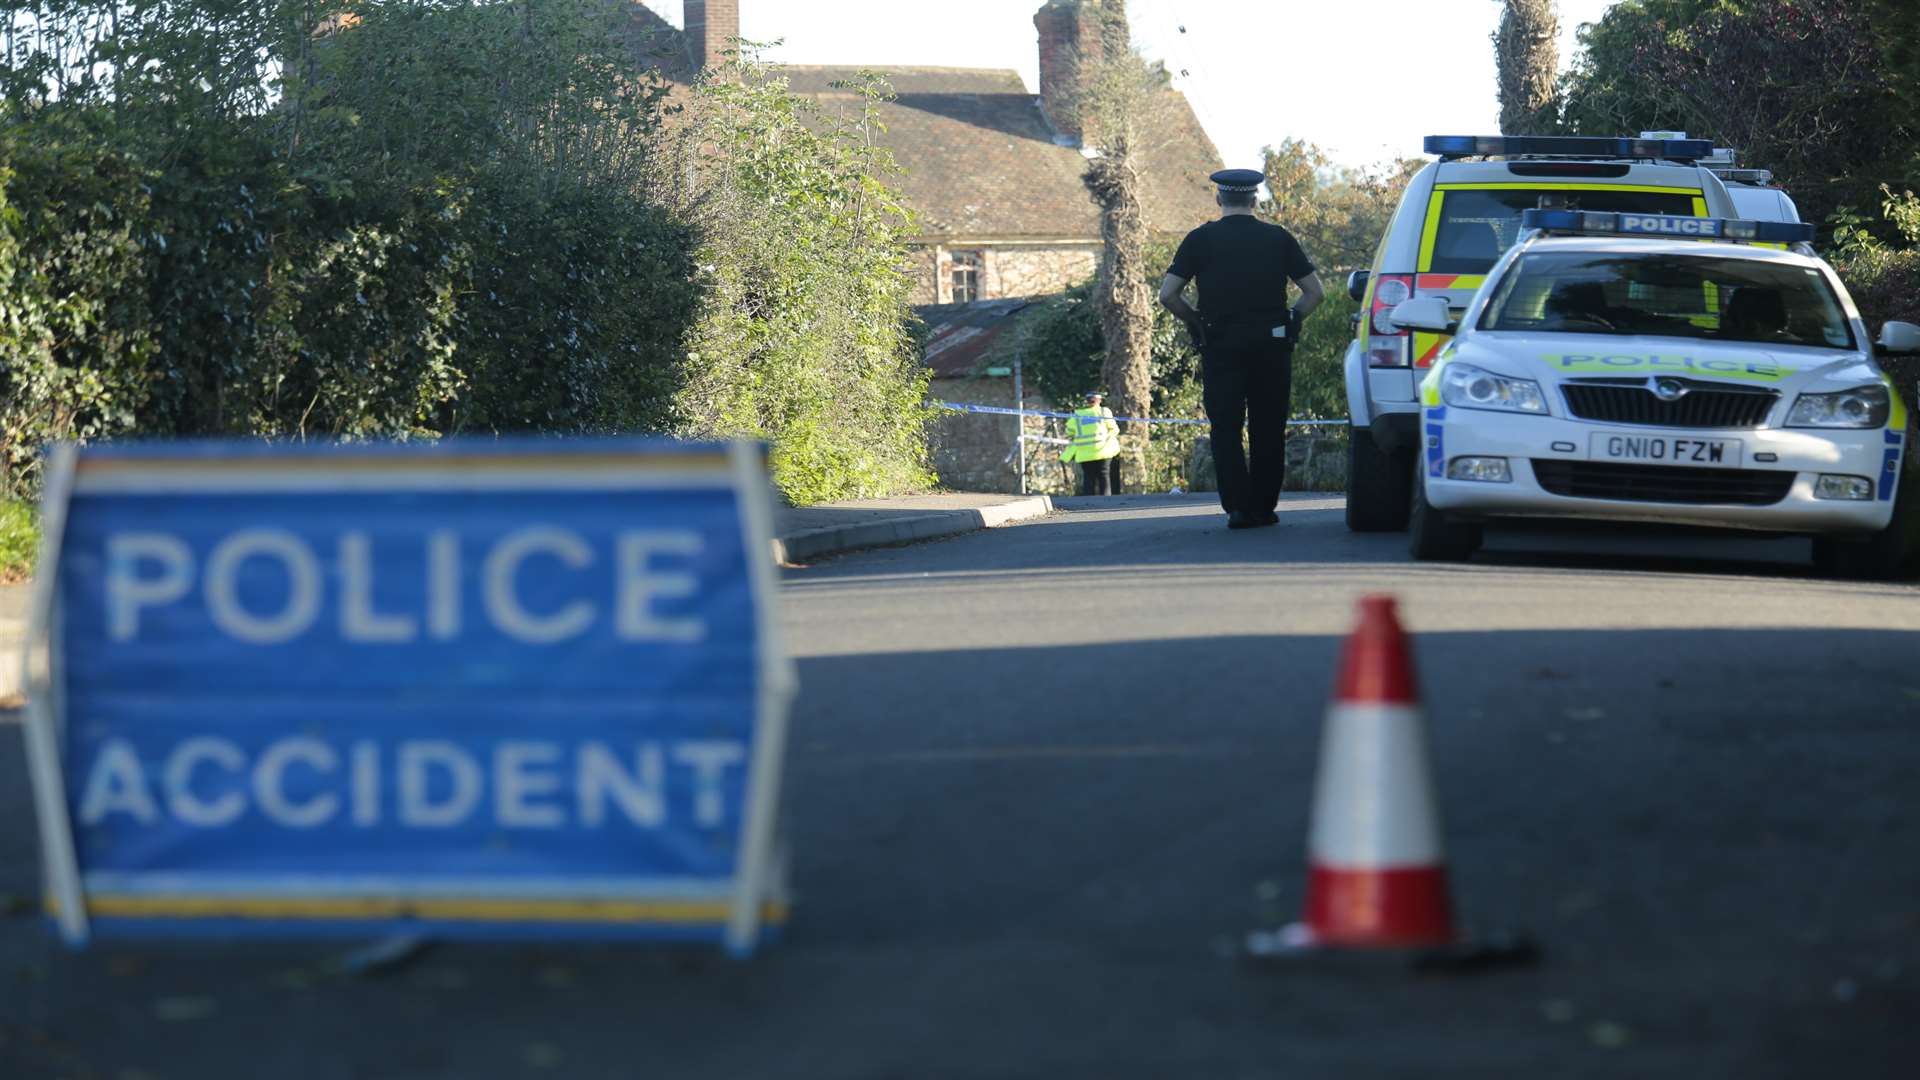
column 1092, row 435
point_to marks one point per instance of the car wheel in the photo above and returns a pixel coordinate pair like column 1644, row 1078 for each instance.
column 1892, row 552
column 1886, row 554
column 1874, row 558
column 1377, row 490
column 1437, row 536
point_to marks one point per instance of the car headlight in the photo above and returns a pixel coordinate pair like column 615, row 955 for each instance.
column 1469, row 387
column 1860, row 407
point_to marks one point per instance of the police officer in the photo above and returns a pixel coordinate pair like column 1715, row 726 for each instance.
column 1246, row 333
column 1093, row 440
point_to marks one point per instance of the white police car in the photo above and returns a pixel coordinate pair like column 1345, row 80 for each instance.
column 1454, row 220
column 1662, row 368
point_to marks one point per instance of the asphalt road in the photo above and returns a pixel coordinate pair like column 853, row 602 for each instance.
column 1044, row 778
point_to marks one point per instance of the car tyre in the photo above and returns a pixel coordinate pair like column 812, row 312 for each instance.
column 1378, row 492
column 1883, row 555
column 1437, row 536
column 1875, row 558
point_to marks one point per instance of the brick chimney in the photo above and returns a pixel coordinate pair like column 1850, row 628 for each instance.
column 1069, row 40
column 1072, row 33
column 709, row 24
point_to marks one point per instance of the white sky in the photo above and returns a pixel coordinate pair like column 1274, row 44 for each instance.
column 1362, row 78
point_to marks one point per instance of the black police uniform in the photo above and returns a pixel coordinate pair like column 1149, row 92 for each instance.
column 1240, row 266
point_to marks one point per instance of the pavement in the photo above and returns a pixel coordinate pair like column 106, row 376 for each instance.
column 826, row 529
column 14, row 601
column 1043, row 778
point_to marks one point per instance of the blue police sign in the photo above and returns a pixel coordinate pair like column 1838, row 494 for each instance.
column 473, row 689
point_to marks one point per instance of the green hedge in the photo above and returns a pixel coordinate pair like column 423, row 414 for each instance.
column 441, row 218
column 19, row 540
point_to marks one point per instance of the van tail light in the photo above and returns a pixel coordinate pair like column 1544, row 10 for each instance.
column 1388, row 345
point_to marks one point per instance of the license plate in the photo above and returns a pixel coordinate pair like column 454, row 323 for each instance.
column 1666, row 450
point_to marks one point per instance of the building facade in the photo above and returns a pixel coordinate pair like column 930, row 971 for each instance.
column 991, row 170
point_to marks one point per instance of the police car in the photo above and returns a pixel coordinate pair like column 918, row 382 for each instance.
column 1456, row 217
column 1661, row 368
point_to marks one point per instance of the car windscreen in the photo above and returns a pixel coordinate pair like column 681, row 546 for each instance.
column 1710, row 297
column 1477, row 224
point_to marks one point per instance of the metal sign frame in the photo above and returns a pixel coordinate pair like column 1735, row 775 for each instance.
column 759, row 879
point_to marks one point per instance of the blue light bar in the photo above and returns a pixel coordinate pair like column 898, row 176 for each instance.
column 1578, row 146
column 1672, row 226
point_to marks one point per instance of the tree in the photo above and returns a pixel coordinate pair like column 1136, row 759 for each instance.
column 1338, row 213
column 1122, row 105
column 1528, row 62
column 1816, row 90
column 803, row 333
column 416, row 218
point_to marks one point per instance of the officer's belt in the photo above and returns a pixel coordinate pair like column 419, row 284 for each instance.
column 1224, row 322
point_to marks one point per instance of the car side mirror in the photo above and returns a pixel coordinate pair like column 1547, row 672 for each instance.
column 1899, row 338
column 1424, row 313
column 1357, row 284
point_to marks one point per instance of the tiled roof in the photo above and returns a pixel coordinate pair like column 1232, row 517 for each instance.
column 657, row 44
column 980, row 161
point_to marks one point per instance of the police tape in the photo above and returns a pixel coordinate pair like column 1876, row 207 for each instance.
column 1000, row 410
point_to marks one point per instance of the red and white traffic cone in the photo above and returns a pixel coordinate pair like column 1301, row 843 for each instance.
column 1377, row 877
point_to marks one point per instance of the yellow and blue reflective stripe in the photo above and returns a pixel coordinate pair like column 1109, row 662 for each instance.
column 678, row 912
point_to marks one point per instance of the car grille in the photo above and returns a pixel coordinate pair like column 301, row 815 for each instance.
column 1662, row 483
column 1702, row 407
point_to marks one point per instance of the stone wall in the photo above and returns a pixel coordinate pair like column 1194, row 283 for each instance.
column 1315, row 462
column 1038, row 271
column 924, row 266
column 975, row 451
column 1005, row 270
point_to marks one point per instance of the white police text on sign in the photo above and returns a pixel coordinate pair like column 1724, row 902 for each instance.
column 523, row 689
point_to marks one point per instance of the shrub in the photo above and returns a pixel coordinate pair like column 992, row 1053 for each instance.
column 75, row 329
column 19, row 540
column 803, row 335
column 439, row 217
column 1884, row 278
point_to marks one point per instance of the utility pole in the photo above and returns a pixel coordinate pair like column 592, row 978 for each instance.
column 1020, row 421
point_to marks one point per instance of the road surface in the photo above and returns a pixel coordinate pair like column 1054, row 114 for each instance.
column 1044, row 778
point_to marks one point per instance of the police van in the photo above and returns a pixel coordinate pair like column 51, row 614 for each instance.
column 1456, row 218
column 1662, row 368
column 1755, row 195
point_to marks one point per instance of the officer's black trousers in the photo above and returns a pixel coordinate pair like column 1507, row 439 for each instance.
column 1249, row 384
column 1093, row 477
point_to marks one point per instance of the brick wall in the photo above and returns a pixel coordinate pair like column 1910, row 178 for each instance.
column 709, row 23
column 1068, row 41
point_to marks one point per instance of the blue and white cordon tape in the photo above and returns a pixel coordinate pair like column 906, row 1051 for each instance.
column 999, row 410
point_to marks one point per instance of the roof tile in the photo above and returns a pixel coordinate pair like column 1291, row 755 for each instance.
column 980, row 161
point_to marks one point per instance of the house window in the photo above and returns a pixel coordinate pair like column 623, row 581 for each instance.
column 964, row 277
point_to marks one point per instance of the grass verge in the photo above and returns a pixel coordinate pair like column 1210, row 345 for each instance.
column 19, row 540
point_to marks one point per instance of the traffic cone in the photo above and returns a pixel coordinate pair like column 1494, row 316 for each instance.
column 1377, row 878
